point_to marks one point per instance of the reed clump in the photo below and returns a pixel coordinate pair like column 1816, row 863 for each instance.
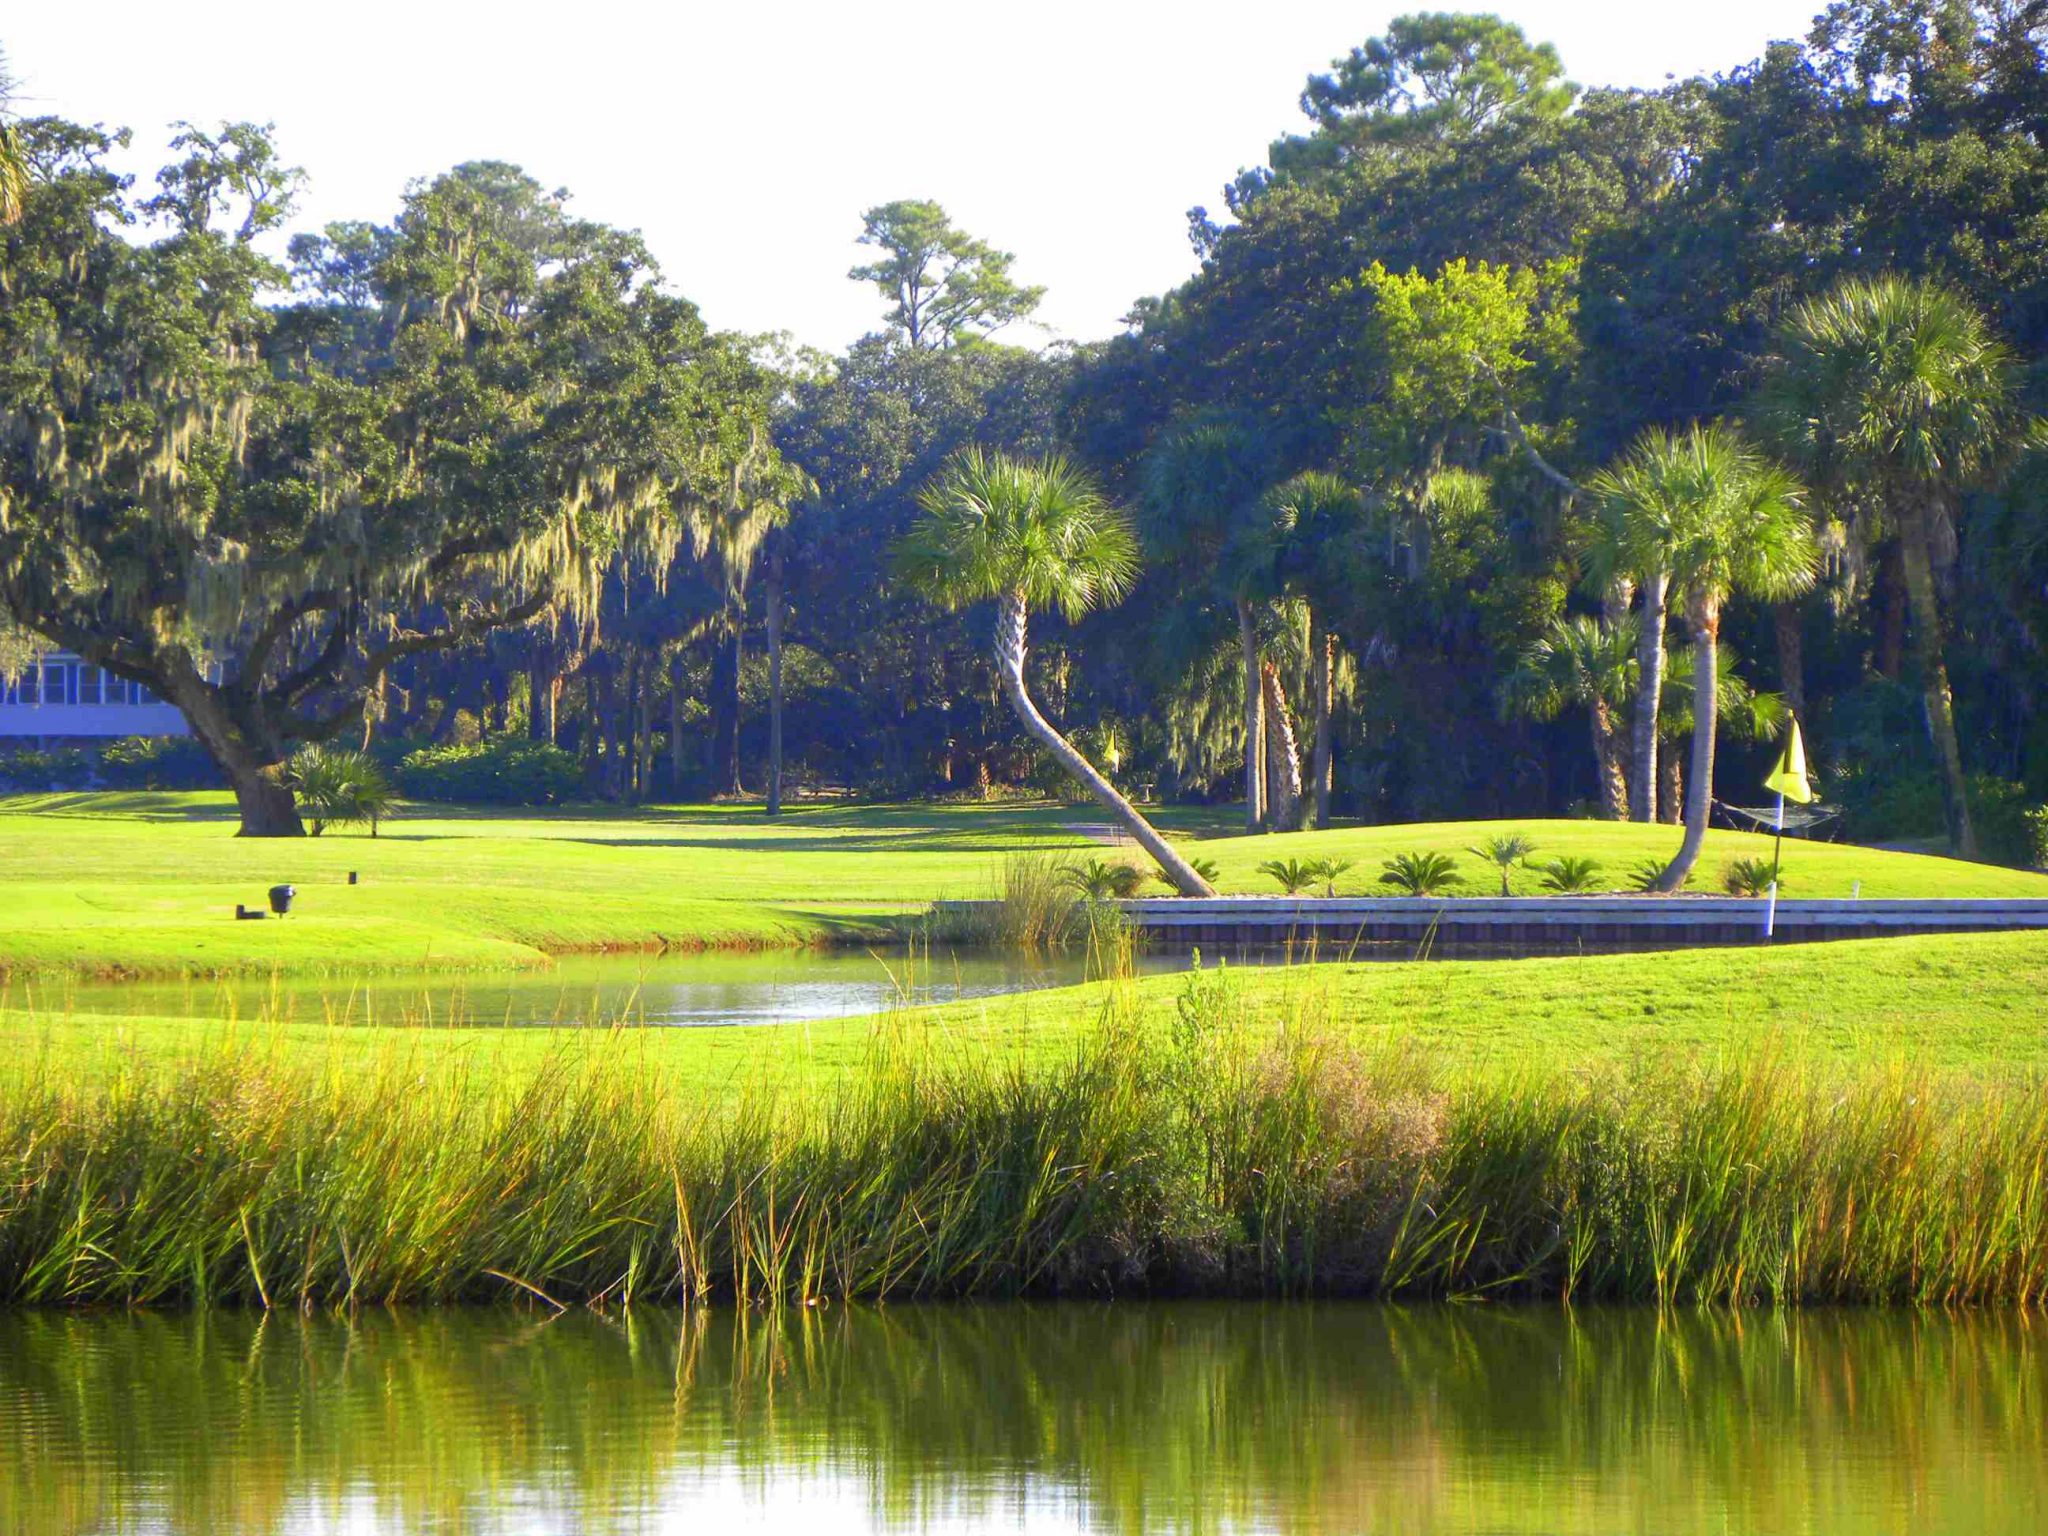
column 1229, row 1152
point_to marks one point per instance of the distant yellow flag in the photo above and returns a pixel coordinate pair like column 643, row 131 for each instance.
column 1789, row 778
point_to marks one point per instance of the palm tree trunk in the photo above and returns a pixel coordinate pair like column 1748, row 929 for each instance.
column 1607, row 759
column 1254, row 722
column 1649, row 687
column 1787, row 619
column 1011, row 621
column 1891, row 615
column 1699, row 800
column 1934, row 689
column 1283, row 758
column 774, row 599
column 1322, row 651
column 1670, row 786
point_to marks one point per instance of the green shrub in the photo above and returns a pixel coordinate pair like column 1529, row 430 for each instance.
column 1750, row 877
column 1570, row 874
column 1505, row 849
column 506, row 770
column 1104, row 879
column 159, row 762
column 2036, row 820
column 1895, row 807
column 26, row 770
column 1206, row 868
column 1293, row 875
column 1421, row 874
column 341, row 787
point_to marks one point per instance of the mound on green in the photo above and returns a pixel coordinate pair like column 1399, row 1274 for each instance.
column 146, row 884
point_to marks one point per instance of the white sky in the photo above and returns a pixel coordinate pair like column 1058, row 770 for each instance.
column 744, row 140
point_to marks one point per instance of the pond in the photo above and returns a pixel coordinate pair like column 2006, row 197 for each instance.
column 1084, row 1418
column 754, row 987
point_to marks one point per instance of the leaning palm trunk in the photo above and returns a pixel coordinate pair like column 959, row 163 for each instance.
column 1323, row 649
column 1011, row 621
column 1650, row 686
column 1254, row 722
column 1934, row 689
column 1699, row 799
column 1283, row 758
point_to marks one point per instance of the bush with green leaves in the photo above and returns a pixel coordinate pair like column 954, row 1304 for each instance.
column 1105, row 879
column 159, row 762
column 1293, row 875
column 342, row 788
column 2036, row 819
column 1330, row 871
column 1570, row 874
column 1507, row 849
column 1421, row 874
column 505, row 770
column 30, row 771
column 1750, row 877
column 1206, row 868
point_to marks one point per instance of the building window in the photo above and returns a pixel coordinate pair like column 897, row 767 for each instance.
column 90, row 688
column 55, row 689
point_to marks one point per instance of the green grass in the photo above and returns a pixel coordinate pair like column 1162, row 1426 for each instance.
column 146, row 884
column 1236, row 1147
column 1963, row 1004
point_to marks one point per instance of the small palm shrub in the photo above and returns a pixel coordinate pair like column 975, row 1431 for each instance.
column 340, row 787
column 1571, row 874
column 1507, row 849
column 1421, row 874
column 1104, row 879
column 1294, row 875
column 1749, row 877
column 1330, row 871
column 1206, row 868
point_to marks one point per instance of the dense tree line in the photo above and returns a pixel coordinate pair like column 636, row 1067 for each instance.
column 1513, row 448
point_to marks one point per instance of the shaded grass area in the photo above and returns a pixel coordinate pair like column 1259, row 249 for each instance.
column 1212, row 1137
column 146, row 884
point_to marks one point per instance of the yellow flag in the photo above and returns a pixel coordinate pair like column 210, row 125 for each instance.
column 1789, row 778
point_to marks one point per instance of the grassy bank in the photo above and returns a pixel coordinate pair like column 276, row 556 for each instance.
column 1227, row 1149
column 146, row 884
column 1967, row 1003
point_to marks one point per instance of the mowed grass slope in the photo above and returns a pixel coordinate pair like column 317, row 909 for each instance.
column 1966, row 1003
column 146, row 884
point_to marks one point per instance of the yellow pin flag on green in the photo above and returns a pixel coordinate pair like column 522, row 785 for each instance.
column 1789, row 777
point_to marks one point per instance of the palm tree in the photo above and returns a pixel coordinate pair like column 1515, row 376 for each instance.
column 1582, row 663
column 1895, row 394
column 1310, row 514
column 1506, row 849
column 1732, row 523
column 13, row 164
column 1197, row 483
column 1032, row 535
column 1636, row 498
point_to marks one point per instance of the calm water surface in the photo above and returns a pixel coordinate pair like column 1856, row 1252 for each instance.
column 773, row 987
column 1124, row 1418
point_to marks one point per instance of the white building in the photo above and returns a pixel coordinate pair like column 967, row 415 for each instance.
column 57, row 697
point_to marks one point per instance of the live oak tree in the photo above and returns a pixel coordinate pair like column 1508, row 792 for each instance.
column 943, row 285
column 1032, row 535
column 257, row 510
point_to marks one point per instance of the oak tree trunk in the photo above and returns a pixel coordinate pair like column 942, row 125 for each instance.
column 254, row 766
column 1011, row 621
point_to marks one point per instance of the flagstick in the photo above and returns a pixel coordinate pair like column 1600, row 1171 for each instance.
column 1777, row 862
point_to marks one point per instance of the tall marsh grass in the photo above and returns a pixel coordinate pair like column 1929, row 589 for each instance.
column 1226, row 1152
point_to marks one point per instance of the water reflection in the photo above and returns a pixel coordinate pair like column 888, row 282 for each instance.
column 1080, row 1417
column 772, row 987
